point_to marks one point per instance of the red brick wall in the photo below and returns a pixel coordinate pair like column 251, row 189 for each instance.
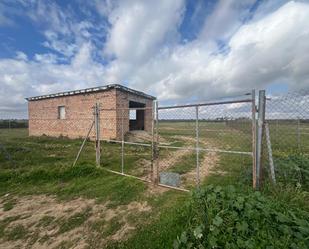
column 123, row 99
column 43, row 114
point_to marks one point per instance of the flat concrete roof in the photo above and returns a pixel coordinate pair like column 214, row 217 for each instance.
column 92, row 90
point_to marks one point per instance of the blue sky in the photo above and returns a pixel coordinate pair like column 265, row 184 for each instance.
column 180, row 51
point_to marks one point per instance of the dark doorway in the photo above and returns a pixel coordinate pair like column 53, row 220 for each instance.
column 137, row 116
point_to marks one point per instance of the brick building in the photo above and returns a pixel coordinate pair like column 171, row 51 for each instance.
column 71, row 113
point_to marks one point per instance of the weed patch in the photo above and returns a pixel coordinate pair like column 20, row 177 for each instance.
column 223, row 217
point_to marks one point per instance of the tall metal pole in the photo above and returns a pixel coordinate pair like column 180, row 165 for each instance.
column 152, row 141
column 277, row 126
column 197, row 147
column 253, row 139
column 298, row 134
column 261, row 120
column 157, row 143
column 270, row 154
column 122, row 143
column 97, row 134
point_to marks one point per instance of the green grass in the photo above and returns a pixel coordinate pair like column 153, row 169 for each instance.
column 46, row 221
column 16, row 233
column 5, row 222
column 43, row 165
column 185, row 164
column 8, row 205
column 74, row 221
column 112, row 227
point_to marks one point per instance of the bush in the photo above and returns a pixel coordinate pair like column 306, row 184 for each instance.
column 227, row 218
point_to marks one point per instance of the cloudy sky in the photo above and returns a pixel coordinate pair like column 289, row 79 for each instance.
column 176, row 50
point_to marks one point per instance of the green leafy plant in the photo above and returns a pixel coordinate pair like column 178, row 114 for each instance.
column 223, row 217
column 293, row 169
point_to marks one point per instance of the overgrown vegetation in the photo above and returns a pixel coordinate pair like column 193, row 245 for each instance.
column 293, row 169
column 225, row 217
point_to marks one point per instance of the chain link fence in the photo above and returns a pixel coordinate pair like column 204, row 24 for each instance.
column 13, row 123
column 195, row 139
column 287, row 116
column 176, row 146
column 128, row 145
column 181, row 146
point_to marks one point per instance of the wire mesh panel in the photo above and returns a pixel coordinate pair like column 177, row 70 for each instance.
column 192, row 139
column 287, row 116
column 288, row 119
column 226, row 135
column 177, row 140
column 127, row 136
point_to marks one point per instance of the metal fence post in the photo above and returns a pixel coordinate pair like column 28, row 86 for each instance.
column 259, row 140
column 253, row 139
column 122, row 142
column 270, row 154
column 298, row 134
column 152, row 141
column 157, row 156
column 83, row 144
column 197, row 146
column 97, row 134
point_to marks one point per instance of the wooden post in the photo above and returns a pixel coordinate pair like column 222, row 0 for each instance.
column 97, row 134
column 259, row 139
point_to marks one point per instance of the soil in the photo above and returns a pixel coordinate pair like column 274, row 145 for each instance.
column 30, row 211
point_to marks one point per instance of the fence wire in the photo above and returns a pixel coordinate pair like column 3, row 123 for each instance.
column 192, row 139
column 127, row 146
column 180, row 146
column 287, row 116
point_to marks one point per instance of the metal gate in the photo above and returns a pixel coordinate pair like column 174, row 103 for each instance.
column 192, row 138
column 123, row 151
column 181, row 145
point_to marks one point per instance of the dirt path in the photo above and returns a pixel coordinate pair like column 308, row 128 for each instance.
column 42, row 221
column 173, row 156
column 206, row 164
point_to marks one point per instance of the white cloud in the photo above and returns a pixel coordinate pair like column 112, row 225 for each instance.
column 139, row 30
column 21, row 56
column 20, row 78
column 140, row 27
column 143, row 48
column 226, row 18
column 272, row 48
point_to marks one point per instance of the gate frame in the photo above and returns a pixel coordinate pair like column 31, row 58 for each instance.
column 255, row 143
column 257, row 136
